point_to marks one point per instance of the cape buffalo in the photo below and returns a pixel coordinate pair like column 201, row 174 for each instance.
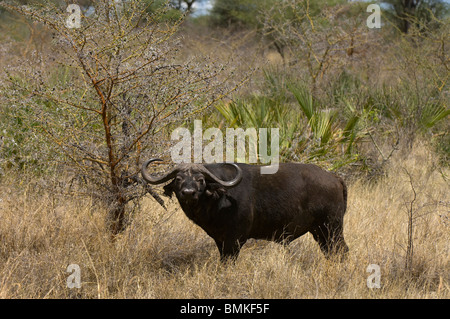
column 234, row 202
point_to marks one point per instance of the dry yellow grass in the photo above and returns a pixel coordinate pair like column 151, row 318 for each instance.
column 164, row 255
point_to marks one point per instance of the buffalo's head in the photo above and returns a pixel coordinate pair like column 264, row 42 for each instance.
column 191, row 182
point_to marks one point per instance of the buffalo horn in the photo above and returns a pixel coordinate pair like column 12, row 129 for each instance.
column 156, row 180
column 231, row 183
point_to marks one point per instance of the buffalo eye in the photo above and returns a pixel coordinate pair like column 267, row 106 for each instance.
column 201, row 180
column 178, row 179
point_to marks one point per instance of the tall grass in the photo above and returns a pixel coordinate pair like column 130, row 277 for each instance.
column 164, row 255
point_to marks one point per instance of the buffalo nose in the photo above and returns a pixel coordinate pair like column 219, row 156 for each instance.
column 188, row 192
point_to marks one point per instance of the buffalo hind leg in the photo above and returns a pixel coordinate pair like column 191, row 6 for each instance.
column 229, row 250
column 330, row 238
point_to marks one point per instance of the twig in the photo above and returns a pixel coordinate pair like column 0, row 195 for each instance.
column 410, row 209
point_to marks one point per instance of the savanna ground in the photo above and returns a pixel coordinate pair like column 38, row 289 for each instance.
column 164, row 255
column 375, row 110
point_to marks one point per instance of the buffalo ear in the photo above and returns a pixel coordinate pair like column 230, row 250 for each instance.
column 215, row 190
column 169, row 189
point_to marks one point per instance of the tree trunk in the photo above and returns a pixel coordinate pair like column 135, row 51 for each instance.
column 115, row 220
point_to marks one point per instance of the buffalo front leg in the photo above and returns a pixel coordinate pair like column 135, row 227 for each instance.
column 229, row 250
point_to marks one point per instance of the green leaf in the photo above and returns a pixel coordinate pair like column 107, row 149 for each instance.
column 433, row 113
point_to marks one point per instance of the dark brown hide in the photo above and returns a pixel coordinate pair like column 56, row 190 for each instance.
column 299, row 198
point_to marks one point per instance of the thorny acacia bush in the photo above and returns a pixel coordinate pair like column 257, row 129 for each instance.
column 316, row 40
column 104, row 97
